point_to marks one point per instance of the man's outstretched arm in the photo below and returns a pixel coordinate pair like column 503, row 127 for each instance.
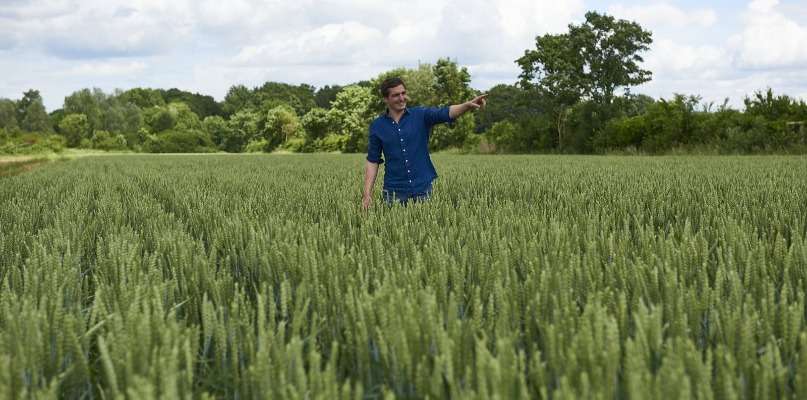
column 370, row 172
column 476, row 103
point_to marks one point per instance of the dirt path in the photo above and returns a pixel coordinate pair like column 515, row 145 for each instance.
column 14, row 159
column 18, row 165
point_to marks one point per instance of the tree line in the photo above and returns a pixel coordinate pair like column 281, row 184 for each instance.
column 573, row 96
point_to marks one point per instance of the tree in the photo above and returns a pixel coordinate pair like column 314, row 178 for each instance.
column 243, row 127
column 451, row 86
column 133, row 123
column 771, row 107
column 316, row 123
column 36, row 118
column 419, row 86
column 88, row 103
column 29, row 97
column 273, row 94
column 351, row 113
column 159, row 119
column 142, row 97
column 325, row 95
column 589, row 62
column 238, row 98
column 505, row 102
column 8, row 115
column 74, row 127
column 201, row 105
column 281, row 124
column 216, row 127
column 185, row 118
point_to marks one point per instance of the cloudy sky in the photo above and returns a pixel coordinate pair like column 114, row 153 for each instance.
column 717, row 49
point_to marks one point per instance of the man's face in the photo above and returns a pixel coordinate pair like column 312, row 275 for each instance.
column 396, row 98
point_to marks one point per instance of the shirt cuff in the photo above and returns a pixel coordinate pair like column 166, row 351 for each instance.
column 375, row 160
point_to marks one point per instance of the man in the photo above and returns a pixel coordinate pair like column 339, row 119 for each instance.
column 402, row 135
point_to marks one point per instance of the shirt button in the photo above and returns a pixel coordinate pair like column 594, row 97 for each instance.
column 410, row 181
column 402, row 139
column 408, row 170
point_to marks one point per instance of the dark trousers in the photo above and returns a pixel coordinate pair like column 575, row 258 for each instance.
column 391, row 197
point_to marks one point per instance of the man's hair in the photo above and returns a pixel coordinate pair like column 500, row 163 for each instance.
column 390, row 83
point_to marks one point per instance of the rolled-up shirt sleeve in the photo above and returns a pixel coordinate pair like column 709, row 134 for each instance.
column 437, row 115
column 374, row 149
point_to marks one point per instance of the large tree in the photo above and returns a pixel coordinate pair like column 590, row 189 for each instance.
column 87, row 102
column 34, row 117
column 200, row 104
column 590, row 62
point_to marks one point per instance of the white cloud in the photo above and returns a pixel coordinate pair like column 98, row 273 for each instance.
column 59, row 46
column 331, row 44
column 74, row 29
column 769, row 38
column 664, row 14
column 108, row 68
column 671, row 59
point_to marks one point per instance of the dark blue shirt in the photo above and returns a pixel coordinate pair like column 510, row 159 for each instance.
column 405, row 145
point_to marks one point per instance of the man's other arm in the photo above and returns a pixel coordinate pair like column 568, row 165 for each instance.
column 370, row 172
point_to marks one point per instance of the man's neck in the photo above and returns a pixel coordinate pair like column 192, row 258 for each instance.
column 395, row 115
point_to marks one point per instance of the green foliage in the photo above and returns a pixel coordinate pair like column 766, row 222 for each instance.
column 258, row 145
column 201, row 105
column 452, row 86
column 772, row 107
column 273, row 94
column 325, row 95
column 452, row 135
column 507, row 102
column 31, row 113
column 351, row 113
column 143, row 98
column 217, row 128
column 74, row 127
column 175, row 141
column 8, row 115
column 159, row 119
column 420, row 85
column 503, row 136
column 243, row 127
column 316, row 123
column 591, row 61
column 185, row 118
column 238, row 98
column 281, row 125
column 31, row 143
column 225, row 276
column 295, row 145
column 88, row 103
column 103, row 140
column 331, row 143
column 683, row 123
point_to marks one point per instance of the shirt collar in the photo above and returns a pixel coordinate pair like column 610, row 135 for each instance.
column 386, row 112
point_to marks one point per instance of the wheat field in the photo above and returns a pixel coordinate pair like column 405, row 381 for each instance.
column 258, row 276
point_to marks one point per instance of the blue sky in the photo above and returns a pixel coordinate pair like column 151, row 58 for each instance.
column 719, row 49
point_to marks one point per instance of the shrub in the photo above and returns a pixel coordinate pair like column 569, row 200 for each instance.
column 171, row 141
